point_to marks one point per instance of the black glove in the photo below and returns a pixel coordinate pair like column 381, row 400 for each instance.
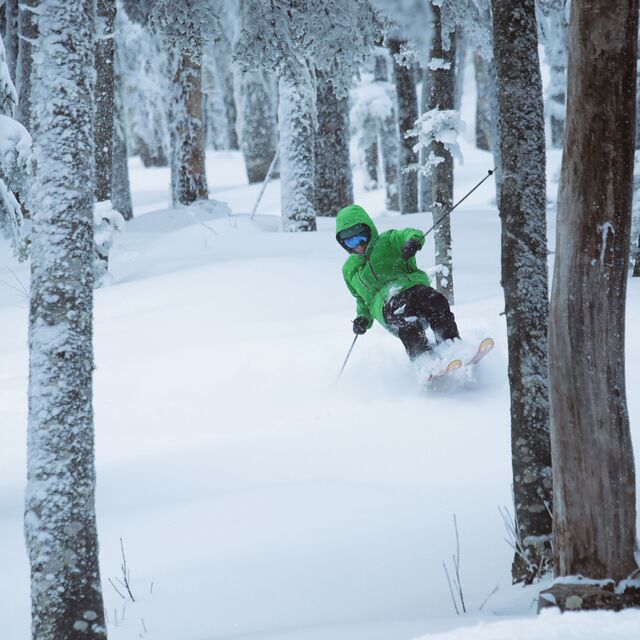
column 360, row 325
column 410, row 248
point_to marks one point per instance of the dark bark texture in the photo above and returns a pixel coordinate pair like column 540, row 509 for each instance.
column 524, row 275
column 105, row 14
column 334, row 184
column 60, row 524
column 120, row 186
column 593, row 467
column 442, row 96
column 407, row 115
column 188, row 177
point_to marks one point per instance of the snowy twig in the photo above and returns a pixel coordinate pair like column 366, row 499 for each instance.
column 456, row 569
column 125, row 572
column 495, row 589
column 116, row 588
column 453, row 597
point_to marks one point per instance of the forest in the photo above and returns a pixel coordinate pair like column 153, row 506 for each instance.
column 317, row 319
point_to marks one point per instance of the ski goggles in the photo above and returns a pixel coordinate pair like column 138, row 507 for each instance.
column 353, row 236
column 354, row 241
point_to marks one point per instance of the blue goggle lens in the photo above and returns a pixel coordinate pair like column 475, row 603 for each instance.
column 354, row 241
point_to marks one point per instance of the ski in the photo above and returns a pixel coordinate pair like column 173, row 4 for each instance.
column 450, row 368
column 483, row 349
column 485, row 346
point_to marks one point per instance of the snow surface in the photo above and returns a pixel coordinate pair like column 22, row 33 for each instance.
column 257, row 498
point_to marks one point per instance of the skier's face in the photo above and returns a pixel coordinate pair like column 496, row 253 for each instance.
column 361, row 248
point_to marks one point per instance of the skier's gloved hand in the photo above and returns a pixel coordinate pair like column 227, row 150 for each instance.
column 360, row 325
column 410, row 248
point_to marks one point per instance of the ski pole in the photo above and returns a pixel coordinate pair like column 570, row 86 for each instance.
column 489, row 174
column 344, row 364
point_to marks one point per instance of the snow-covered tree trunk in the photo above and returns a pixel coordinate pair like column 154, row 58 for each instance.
column 407, row 115
column 297, row 131
column 333, row 180
column 388, row 140
column 103, row 131
column 483, row 113
column 28, row 29
column 11, row 38
column 188, row 178
column 441, row 82
column 554, row 30
column 424, row 176
column 593, row 466
column 224, row 76
column 371, row 160
column 60, row 525
column 258, row 133
column 120, row 186
column 524, row 275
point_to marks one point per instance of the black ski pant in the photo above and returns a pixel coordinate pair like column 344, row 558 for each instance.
column 408, row 313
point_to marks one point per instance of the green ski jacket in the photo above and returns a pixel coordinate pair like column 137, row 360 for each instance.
column 381, row 272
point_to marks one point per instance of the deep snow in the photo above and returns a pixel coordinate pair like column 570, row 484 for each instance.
column 261, row 499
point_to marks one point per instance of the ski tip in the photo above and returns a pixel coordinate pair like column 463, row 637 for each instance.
column 486, row 344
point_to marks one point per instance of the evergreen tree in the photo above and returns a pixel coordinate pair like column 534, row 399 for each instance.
column 593, row 466
column 524, row 276
column 60, row 520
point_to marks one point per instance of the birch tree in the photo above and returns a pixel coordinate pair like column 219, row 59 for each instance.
column 524, row 276
column 60, row 522
column 593, row 466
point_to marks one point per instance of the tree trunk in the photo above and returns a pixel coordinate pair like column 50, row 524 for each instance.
column 120, row 186
column 442, row 87
column 371, row 161
column 295, row 118
column 593, row 467
column 333, row 180
column 10, row 39
column 424, row 177
column 407, row 116
column 483, row 113
column 151, row 157
column 105, row 15
column 28, row 29
column 188, row 177
column 524, row 275
column 554, row 28
column 388, row 140
column 258, row 130
column 224, row 78
column 60, row 524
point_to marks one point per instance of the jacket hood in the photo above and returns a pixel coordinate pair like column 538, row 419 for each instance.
column 352, row 215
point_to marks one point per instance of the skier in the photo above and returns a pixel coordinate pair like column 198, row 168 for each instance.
column 382, row 275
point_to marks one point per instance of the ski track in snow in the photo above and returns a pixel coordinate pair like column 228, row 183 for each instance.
column 263, row 500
